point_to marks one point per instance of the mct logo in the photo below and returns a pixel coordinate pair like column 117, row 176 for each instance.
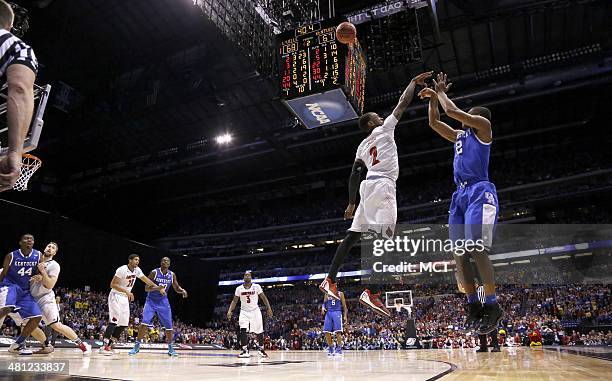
column 317, row 112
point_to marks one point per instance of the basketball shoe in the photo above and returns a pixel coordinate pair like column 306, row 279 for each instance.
column 107, row 350
column 473, row 314
column 491, row 316
column 86, row 348
column 171, row 351
column 244, row 354
column 329, row 288
column 373, row 301
column 45, row 350
column 19, row 349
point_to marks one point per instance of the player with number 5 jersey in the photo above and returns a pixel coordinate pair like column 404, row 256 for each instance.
column 377, row 210
column 15, row 296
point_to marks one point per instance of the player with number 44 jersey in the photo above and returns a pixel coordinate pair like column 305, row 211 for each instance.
column 15, row 296
column 377, row 210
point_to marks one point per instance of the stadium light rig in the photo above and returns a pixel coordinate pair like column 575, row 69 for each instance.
column 224, row 139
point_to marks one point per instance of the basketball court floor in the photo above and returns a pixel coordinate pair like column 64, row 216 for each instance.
column 419, row 365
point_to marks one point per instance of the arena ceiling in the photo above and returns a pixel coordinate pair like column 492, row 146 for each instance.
column 149, row 84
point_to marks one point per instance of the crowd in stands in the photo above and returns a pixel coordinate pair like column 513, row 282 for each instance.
column 560, row 315
column 557, row 313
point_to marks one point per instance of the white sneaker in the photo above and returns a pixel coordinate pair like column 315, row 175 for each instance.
column 13, row 348
column 262, row 353
column 20, row 350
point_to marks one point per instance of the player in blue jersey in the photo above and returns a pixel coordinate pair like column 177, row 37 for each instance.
column 17, row 269
column 474, row 205
column 158, row 304
column 335, row 312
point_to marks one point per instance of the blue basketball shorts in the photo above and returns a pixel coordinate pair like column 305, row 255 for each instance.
column 161, row 308
column 473, row 213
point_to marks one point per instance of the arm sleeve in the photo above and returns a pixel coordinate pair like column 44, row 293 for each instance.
column 389, row 124
column 24, row 55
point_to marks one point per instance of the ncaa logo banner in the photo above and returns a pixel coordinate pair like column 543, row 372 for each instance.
column 322, row 109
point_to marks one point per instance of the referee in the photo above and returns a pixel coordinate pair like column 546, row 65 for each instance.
column 18, row 67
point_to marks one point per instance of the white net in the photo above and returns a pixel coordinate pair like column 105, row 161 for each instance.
column 30, row 164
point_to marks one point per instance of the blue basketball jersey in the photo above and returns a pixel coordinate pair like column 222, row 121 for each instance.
column 471, row 163
column 161, row 279
column 22, row 268
column 332, row 304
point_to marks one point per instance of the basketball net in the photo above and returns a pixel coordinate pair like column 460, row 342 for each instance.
column 29, row 165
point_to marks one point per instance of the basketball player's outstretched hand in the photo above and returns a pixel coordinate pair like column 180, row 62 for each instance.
column 427, row 92
column 184, row 293
column 10, row 169
column 421, row 78
column 350, row 210
column 130, row 296
column 441, row 84
column 229, row 316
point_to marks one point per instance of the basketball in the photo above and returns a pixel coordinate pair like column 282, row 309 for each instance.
column 346, row 33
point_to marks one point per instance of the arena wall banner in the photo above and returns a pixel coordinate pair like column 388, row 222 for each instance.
column 6, row 341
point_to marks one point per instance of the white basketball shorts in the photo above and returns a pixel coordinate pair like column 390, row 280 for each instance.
column 251, row 320
column 377, row 209
column 118, row 309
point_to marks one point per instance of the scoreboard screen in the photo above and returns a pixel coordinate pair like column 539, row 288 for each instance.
column 311, row 60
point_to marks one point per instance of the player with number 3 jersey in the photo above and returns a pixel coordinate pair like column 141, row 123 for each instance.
column 250, row 319
column 377, row 154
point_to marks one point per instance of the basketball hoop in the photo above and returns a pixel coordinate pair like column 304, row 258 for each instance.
column 29, row 165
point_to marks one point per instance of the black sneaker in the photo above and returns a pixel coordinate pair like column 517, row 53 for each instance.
column 244, row 354
column 496, row 349
column 262, row 353
column 483, row 349
column 492, row 315
column 474, row 312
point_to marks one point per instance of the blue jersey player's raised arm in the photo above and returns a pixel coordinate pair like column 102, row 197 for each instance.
column 17, row 270
column 474, row 206
column 157, row 303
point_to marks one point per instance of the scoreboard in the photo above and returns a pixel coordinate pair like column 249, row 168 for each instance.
column 310, row 59
column 322, row 81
